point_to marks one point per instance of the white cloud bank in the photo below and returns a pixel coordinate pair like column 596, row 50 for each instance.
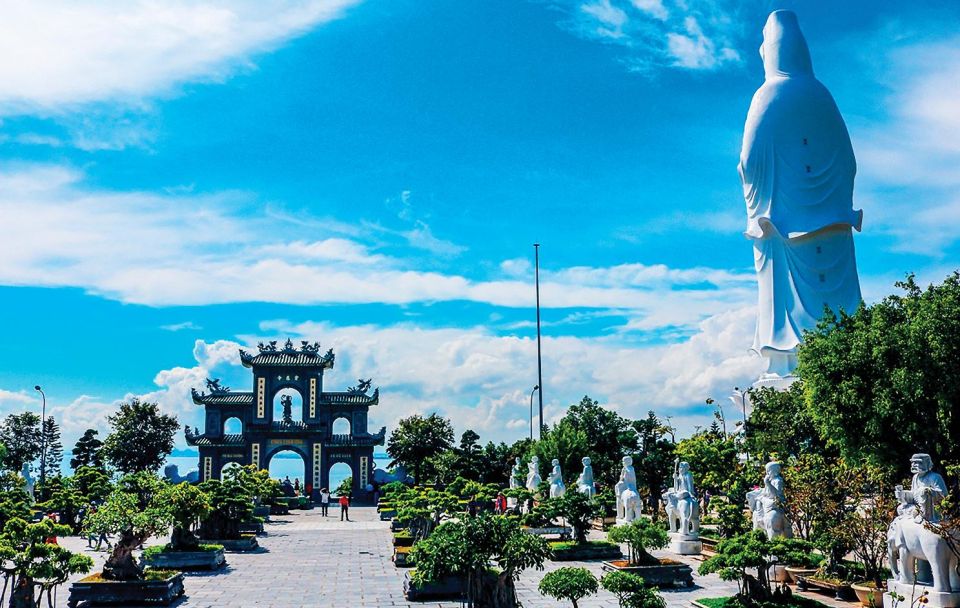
column 186, row 249
column 56, row 56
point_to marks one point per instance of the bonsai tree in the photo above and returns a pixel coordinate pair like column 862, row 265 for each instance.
column 739, row 557
column 231, row 505
column 568, row 583
column 14, row 501
column 631, row 590
column 188, row 505
column 29, row 561
column 467, row 548
column 93, row 483
column 579, row 511
column 421, row 510
column 134, row 512
column 640, row 536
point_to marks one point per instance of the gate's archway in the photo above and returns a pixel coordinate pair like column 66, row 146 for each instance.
column 338, row 472
column 288, row 406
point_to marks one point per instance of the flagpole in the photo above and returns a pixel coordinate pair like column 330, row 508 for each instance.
column 536, row 254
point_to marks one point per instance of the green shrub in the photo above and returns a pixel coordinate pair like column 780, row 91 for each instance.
column 640, row 536
column 572, row 584
column 631, row 590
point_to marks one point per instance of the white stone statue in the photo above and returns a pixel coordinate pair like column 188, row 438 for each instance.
column 768, row 505
column 683, row 512
column 585, row 481
column 557, row 488
column 28, row 487
column 516, row 480
column 533, row 474
column 797, row 168
column 921, row 560
column 628, row 499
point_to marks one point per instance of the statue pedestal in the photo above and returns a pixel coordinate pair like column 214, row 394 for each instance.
column 934, row 599
column 685, row 544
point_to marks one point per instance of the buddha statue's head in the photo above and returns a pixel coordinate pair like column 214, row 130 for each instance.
column 920, row 464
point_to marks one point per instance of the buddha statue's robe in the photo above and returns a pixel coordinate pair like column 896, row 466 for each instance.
column 797, row 168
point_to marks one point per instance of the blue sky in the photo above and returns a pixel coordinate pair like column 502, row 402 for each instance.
column 180, row 179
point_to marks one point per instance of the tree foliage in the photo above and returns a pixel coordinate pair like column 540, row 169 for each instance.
column 140, row 438
column 631, row 590
column 86, row 452
column 20, row 434
column 579, row 512
column 569, row 583
column 565, row 442
column 747, row 559
column 640, row 536
column 416, row 439
column 780, row 426
column 884, row 382
column 28, row 559
column 52, row 448
column 467, row 547
column 610, row 437
column 654, row 459
column 188, row 505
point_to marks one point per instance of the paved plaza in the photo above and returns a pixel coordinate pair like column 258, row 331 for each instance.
column 308, row 560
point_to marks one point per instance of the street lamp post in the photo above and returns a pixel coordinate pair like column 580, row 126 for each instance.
column 43, row 439
column 741, row 396
column 536, row 254
column 535, row 389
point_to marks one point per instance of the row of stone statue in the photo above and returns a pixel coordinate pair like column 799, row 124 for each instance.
column 680, row 501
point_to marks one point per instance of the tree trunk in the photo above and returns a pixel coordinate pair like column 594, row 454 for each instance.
column 21, row 595
column 486, row 590
column 121, row 566
column 182, row 539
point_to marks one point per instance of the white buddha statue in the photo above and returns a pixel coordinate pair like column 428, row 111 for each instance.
column 557, row 488
column 585, row 484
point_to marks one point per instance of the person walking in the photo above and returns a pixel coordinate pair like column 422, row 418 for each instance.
column 344, row 507
column 324, row 501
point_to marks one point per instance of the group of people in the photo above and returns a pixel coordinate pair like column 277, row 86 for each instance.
column 343, row 501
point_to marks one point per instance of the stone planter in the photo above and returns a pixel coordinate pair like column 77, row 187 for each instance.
column 563, row 532
column 448, row 588
column 387, row 514
column 396, row 526
column 841, row 591
column 794, row 572
column 598, row 550
column 246, row 542
column 261, row 511
column 185, row 560
column 667, row 573
column 401, row 557
column 602, row 523
column 869, row 596
column 94, row 590
column 402, row 540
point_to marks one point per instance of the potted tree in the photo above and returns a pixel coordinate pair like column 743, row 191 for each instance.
column 748, row 559
column 188, row 505
column 30, row 563
column 867, row 531
column 571, row 584
column 134, row 512
column 419, row 511
column 231, row 507
column 456, row 561
column 640, row 536
column 579, row 511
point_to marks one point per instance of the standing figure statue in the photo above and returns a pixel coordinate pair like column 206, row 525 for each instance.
column 797, row 168
column 557, row 488
column 921, row 554
column 628, row 499
column 516, row 481
column 287, row 402
column 533, row 474
column 585, row 481
column 768, row 505
column 28, row 487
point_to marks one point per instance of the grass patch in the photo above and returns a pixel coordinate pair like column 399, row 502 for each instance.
column 567, row 545
column 158, row 549
column 794, row 601
column 148, row 575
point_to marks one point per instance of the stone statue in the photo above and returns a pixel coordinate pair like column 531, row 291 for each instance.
column 585, row 481
column 768, row 503
column 683, row 512
column 516, row 481
column 533, row 474
column 797, row 167
column 919, row 551
column 287, row 402
column 557, row 488
column 628, row 499
column 29, row 485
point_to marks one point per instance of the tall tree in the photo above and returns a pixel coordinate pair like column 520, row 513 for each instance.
column 566, row 443
column 780, row 425
column 884, row 382
column 470, row 457
column 20, row 433
column 417, row 439
column 140, row 437
column 86, row 453
column 610, row 437
column 52, row 447
column 654, row 459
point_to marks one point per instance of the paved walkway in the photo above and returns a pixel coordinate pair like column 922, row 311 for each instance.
column 309, row 561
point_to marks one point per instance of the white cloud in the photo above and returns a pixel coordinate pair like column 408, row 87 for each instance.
column 219, row 248
column 186, row 325
column 56, row 56
column 656, row 34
